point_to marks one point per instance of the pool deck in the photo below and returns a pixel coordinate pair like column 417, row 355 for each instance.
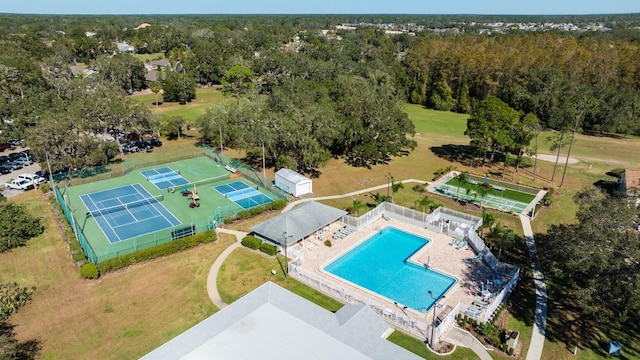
column 441, row 256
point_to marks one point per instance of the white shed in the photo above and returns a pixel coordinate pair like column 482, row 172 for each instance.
column 293, row 183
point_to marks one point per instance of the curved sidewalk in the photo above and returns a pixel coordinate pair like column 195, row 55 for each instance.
column 212, row 288
column 540, row 322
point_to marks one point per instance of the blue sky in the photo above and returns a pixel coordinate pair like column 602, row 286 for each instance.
column 525, row 7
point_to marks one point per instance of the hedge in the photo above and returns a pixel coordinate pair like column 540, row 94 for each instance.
column 251, row 242
column 89, row 271
column 255, row 211
column 268, row 249
column 156, row 251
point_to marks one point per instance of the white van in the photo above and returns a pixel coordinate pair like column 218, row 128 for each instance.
column 37, row 180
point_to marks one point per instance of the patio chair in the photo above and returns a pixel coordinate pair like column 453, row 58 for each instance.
column 462, row 245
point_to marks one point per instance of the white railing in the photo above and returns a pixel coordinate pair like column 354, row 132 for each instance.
column 501, row 297
column 336, row 290
column 366, row 219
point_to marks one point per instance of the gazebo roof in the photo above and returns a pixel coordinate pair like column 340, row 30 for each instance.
column 298, row 223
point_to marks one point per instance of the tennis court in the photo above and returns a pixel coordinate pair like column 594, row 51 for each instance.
column 128, row 211
column 242, row 194
column 489, row 200
column 164, row 177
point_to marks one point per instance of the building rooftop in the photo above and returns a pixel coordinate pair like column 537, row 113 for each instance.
column 273, row 323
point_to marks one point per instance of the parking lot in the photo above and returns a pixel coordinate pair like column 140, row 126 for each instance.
column 7, row 178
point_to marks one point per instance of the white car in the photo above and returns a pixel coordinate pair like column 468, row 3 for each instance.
column 37, row 180
column 21, row 184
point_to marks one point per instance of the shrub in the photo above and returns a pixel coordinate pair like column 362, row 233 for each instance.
column 44, row 187
column 510, row 351
column 419, row 188
column 251, row 242
column 328, row 243
column 278, row 204
column 89, row 271
column 229, row 220
column 268, row 249
column 156, row 251
column 438, row 173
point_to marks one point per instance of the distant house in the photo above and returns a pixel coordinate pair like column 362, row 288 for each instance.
column 80, row 71
column 90, row 34
column 152, row 75
column 157, row 64
column 123, row 47
column 142, row 26
column 630, row 182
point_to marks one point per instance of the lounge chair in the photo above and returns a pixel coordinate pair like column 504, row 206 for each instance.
column 462, row 245
column 454, row 242
column 480, row 304
column 476, row 258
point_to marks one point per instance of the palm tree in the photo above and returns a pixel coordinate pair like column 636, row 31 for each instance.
column 463, row 179
column 482, row 192
column 488, row 219
column 155, row 87
column 424, row 202
column 395, row 187
column 357, row 205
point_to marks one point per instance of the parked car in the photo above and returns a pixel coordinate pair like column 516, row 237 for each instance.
column 4, row 169
column 129, row 148
column 37, row 180
column 23, row 185
column 15, row 155
column 24, row 161
column 14, row 165
column 143, row 145
column 155, row 142
column 4, row 159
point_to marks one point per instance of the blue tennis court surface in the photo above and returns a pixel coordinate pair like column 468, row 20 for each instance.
column 126, row 212
column 242, row 194
column 164, row 178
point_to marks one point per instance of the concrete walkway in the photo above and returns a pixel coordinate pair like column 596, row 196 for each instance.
column 460, row 337
column 540, row 322
column 212, row 288
column 358, row 192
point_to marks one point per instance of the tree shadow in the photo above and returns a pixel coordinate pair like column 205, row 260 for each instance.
column 463, row 154
column 14, row 349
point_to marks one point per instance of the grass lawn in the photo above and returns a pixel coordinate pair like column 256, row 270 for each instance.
column 128, row 313
column 123, row 315
column 205, row 98
column 419, row 348
column 149, row 57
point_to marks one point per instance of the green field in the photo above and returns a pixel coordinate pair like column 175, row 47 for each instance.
column 128, row 313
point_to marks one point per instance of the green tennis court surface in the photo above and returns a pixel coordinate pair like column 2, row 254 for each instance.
column 488, row 200
column 108, row 234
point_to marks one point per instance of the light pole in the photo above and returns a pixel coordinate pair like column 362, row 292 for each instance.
column 286, row 264
column 435, row 305
column 389, row 180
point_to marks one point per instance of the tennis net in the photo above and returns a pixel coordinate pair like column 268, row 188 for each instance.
column 117, row 208
column 169, row 174
column 208, row 181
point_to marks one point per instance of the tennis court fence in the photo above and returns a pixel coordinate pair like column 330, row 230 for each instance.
column 247, row 172
column 142, row 242
column 506, row 185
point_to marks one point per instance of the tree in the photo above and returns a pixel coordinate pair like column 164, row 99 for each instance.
column 358, row 205
column 12, row 297
column 463, row 179
column 491, row 127
column 173, row 126
column 488, row 220
column 395, row 187
column 155, row 87
column 595, row 260
column 17, row 226
column 237, row 81
column 179, row 87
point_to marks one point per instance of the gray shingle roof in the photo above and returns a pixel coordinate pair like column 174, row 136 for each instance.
column 273, row 323
column 298, row 223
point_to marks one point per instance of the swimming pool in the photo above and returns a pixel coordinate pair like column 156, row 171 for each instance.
column 380, row 265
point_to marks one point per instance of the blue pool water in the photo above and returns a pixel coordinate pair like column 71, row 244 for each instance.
column 380, row 265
